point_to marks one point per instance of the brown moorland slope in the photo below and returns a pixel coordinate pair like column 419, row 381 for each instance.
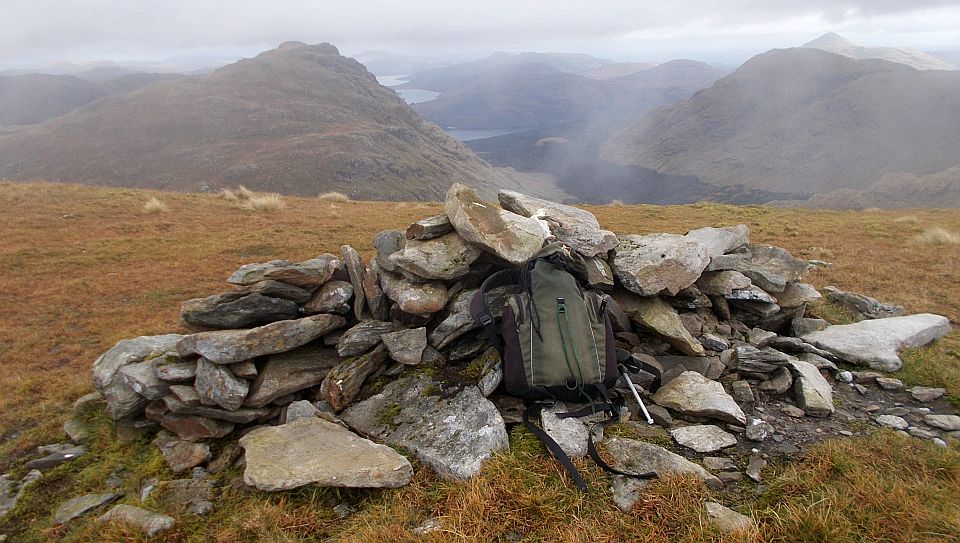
column 804, row 121
column 82, row 267
column 300, row 119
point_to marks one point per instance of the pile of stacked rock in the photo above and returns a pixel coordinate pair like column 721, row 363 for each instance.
column 302, row 359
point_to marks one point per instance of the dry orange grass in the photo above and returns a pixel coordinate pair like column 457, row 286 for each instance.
column 333, row 197
column 155, row 205
column 81, row 269
column 264, row 202
column 937, row 236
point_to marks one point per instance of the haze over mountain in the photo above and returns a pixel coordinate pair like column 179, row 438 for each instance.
column 835, row 43
column 804, row 121
column 298, row 119
column 34, row 98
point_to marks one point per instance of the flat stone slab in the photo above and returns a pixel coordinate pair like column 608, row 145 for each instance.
column 947, row 423
column 727, row 520
column 229, row 346
column 811, row 390
column 235, row 310
column 446, row 257
column 874, row 343
column 308, row 274
column 146, row 521
column 703, row 438
column 292, row 371
column 634, row 456
column 651, row 264
column 574, row 227
column 721, row 240
column 693, row 394
column 314, row 451
column 454, row 436
column 81, row 505
column 659, row 317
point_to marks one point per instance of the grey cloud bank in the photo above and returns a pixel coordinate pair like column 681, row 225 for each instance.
column 44, row 31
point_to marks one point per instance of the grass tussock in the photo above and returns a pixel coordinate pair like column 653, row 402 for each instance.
column 264, row 202
column 243, row 193
column 228, row 195
column 333, row 197
column 908, row 219
column 937, row 236
column 155, row 205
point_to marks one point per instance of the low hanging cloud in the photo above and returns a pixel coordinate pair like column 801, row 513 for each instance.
column 32, row 30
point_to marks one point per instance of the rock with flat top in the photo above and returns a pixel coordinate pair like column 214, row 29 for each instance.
column 947, row 423
column 695, row 395
column 308, row 274
column 236, row 310
column 193, row 428
column 574, row 227
column 446, row 257
column 926, row 394
column 362, row 337
column 315, row 451
column 768, row 267
column 239, row 416
column 634, row 456
column 874, row 343
column 122, row 400
column 229, row 346
column 727, row 520
column 430, row 228
column 655, row 263
column 509, row 236
column 796, row 295
column 81, row 505
column 703, row 438
column 146, row 521
column 720, row 241
column 454, row 436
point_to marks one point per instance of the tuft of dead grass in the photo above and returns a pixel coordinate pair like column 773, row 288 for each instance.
column 909, row 219
column 228, row 195
column 264, row 202
column 937, row 236
column 333, row 197
column 243, row 193
column 155, row 205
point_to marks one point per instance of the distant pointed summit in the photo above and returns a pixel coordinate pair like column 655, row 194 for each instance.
column 836, row 43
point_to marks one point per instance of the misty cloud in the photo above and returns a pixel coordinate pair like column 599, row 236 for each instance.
column 44, row 30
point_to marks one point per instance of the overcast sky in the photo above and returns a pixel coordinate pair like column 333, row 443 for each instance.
column 36, row 32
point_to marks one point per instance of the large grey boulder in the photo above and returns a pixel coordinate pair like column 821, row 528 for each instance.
column 695, row 395
column 454, row 436
column 768, row 267
column 874, row 343
column 634, row 456
column 810, row 389
column 315, row 451
column 721, row 240
column 414, row 298
column 235, row 310
column 216, row 385
column 289, row 372
column 703, row 438
column 229, row 346
column 122, row 400
column 148, row 522
column 509, row 236
column 574, row 227
column 651, row 264
column 308, row 274
column 863, row 307
column 445, row 258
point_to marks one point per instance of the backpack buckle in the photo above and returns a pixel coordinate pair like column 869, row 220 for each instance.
column 561, row 305
column 485, row 319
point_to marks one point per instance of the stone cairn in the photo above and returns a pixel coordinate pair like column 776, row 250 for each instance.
column 288, row 352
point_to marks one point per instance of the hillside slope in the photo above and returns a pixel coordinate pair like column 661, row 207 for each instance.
column 803, row 121
column 298, row 119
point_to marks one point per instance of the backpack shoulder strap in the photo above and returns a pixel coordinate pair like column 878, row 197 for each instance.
column 480, row 309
